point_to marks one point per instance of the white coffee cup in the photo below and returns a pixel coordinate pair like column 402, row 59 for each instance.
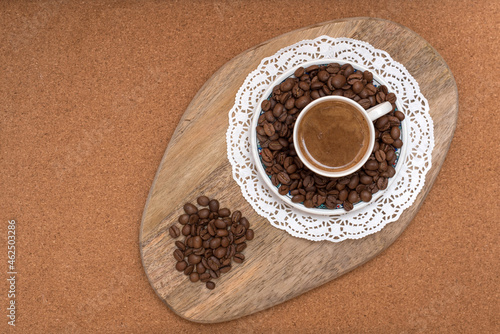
column 368, row 115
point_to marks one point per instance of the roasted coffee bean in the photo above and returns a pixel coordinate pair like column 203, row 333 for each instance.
column 353, row 183
column 312, row 68
column 365, row 103
column 188, row 270
column 249, row 234
column 287, row 85
column 381, row 122
column 183, row 219
column 180, row 245
column 267, row 155
column 174, row 231
column 265, row 105
column 239, row 230
column 269, row 129
column 399, row 115
column 348, row 70
column 365, row 179
column 343, row 194
column 333, row 68
column 211, row 229
column 395, row 132
column 220, row 252
column 190, row 208
column 302, row 101
column 214, row 205
column 338, row 81
column 371, row 89
column 368, row 76
column 290, row 103
column 380, row 156
column 193, row 219
column 323, row 75
column 181, row 265
column 189, row 241
column 397, row 143
column 186, row 230
column 225, row 212
column 222, row 232
column 194, row 259
column 372, row 100
column 357, row 87
column 210, row 285
column 215, row 243
column 225, row 269
column 298, row 199
column 203, row 200
column 236, row 216
column 283, row 189
column 278, row 110
column 194, row 277
column 299, row 72
column 241, row 247
column 205, row 277
column 199, row 251
column 178, row 255
column 382, row 183
column 213, row 263
column 390, row 154
column 239, row 258
column 391, row 97
column 200, row 268
column 371, row 165
column 304, row 86
column 244, row 222
column 387, row 138
column 353, row 78
column 382, row 167
column 348, row 206
column 284, row 178
column 197, row 242
column 380, row 97
column 269, row 117
column 214, row 273
column 275, row 145
column 203, row 213
column 353, row 197
column 315, row 95
column 365, row 195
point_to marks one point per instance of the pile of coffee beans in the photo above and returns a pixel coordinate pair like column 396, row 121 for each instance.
column 275, row 133
column 214, row 237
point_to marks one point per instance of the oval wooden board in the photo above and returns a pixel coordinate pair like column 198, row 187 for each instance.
column 195, row 163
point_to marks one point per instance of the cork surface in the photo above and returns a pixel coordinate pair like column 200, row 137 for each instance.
column 91, row 94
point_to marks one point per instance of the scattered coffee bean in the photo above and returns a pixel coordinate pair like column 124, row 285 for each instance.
column 214, row 205
column 213, row 238
column 183, row 219
column 203, row 200
column 174, row 231
column 190, row 208
column 181, row 265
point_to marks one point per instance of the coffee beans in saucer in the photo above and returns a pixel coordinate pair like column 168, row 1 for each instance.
column 277, row 151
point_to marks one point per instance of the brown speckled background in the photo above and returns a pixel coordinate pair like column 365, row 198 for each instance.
column 91, row 93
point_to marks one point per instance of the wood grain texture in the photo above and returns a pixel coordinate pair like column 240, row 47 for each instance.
column 278, row 266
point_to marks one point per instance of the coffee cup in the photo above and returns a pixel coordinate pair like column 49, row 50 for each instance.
column 334, row 136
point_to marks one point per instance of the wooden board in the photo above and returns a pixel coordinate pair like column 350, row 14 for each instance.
column 278, row 266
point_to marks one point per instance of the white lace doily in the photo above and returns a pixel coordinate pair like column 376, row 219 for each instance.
column 408, row 182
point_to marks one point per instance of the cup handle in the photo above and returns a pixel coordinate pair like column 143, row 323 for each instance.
column 379, row 111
